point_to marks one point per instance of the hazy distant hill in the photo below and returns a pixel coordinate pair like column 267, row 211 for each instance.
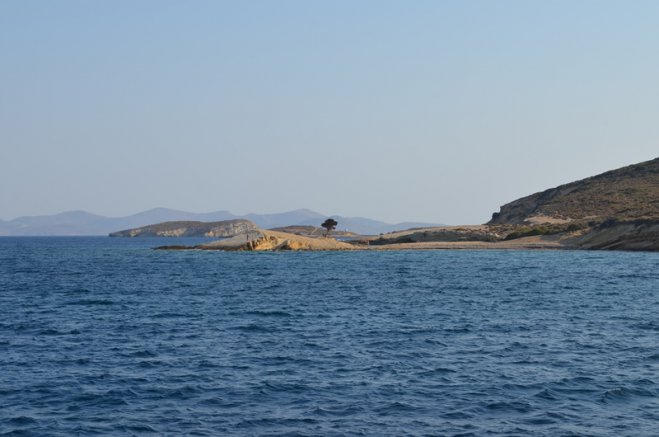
column 627, row 193
column 66, row 223
column 267, row 221
column 365, row 226
column 84, row 223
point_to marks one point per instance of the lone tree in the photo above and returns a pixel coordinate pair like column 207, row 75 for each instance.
column 329, row 224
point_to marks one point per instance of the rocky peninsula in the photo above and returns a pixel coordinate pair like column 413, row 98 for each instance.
column 616, row 210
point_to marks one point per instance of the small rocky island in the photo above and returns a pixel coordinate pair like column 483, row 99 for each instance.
column 226, row 228
column 616, row 210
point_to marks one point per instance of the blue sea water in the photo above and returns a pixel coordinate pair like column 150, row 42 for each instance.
column 102, row 336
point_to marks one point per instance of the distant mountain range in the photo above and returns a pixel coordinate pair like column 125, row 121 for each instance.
column 84, row 223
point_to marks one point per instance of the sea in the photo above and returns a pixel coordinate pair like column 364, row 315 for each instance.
column 105, row 336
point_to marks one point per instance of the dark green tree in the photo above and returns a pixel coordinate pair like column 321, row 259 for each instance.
column 329, row 224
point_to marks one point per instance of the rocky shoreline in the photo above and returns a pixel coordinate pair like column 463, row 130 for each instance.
column 616, row 210
column 279, row 241
column 632, row 235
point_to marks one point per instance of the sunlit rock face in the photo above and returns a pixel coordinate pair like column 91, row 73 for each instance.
column 222, row 229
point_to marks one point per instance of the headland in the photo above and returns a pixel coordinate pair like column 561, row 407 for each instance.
column 616, row 210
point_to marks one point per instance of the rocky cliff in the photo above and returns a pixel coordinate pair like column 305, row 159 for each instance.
column 638, row 235
column 628, row 193
column 226, row 228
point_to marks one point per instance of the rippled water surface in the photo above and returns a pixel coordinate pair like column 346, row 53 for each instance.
column 105, row 336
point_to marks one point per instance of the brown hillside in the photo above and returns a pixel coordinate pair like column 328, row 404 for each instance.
column 627, row 193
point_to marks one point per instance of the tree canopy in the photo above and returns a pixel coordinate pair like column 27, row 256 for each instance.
column 329, row 224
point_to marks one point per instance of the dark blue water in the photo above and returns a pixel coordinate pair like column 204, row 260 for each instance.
column 104, row 336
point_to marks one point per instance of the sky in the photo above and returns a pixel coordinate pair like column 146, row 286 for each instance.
column 435, row 111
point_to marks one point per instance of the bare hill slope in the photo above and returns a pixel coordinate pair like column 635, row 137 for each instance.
column 628, row 193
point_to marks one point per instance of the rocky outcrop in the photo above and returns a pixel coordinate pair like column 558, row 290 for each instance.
column 628, row 193
column 446, row 234
column 275, row 241
column 221, row 229
column 260, row 241
column 620, row 235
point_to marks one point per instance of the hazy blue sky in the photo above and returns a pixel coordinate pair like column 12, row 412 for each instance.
column 397, row 110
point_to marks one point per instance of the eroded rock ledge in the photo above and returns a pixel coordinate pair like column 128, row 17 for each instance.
column 260, row 240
